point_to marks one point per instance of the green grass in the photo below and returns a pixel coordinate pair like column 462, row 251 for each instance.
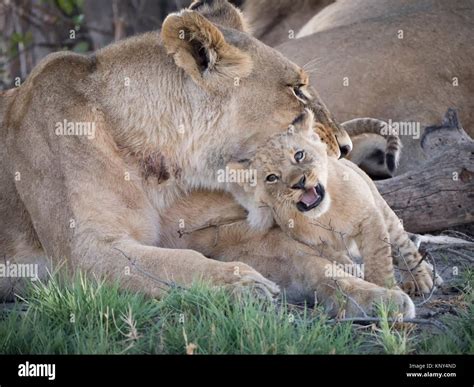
column 86, row 316
column 390, row 339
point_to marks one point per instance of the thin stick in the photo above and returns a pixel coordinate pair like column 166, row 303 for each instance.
column 434, row 282
column 205, row 226
column 435, row 323
column 172, row 285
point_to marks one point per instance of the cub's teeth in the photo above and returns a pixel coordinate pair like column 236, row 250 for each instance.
column 310, row 196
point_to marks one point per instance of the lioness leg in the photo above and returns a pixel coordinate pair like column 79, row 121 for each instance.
column 153, row 269
column 92, row 216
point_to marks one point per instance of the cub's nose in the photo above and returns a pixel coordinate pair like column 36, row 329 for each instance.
column 301, row 183
column 345, row 150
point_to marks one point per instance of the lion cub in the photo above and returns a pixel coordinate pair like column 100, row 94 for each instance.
column 328, row 204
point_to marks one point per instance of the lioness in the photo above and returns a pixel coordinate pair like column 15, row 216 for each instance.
column 93, row 149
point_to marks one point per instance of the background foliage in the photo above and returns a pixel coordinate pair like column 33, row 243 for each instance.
column 31, row 29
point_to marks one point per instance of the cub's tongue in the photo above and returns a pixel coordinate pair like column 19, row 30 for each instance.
column 310, row 196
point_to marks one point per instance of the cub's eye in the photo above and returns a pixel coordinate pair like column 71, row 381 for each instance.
column 272, row 178
column 299, row 156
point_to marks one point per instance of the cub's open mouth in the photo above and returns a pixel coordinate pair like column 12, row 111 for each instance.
column 311, row 198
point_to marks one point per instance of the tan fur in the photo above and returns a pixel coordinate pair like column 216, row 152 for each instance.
column 417, row 274
column 277, row 21
column 225, row 60
column 218, row 12
column 164, row 124
column 368, row 153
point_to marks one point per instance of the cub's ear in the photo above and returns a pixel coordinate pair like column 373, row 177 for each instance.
column 221, row 12
column 199, row 48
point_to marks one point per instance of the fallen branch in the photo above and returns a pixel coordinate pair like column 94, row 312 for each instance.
column 462, row 255
column 444, row 240
column 452, row 249
column 437, row 194
column 458, row 234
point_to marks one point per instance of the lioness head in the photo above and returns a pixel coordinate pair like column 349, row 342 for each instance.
column 257, row 90
column 291, row 174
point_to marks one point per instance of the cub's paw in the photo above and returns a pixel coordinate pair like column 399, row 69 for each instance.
column 420, row 280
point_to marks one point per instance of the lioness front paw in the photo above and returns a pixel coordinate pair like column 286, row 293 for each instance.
column 245, row 278
column 402, row 303
column 362, row 300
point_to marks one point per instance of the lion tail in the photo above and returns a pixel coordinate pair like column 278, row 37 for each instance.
column 393, row 146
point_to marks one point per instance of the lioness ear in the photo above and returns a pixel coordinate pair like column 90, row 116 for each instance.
column 199, row 48
column 221, row 12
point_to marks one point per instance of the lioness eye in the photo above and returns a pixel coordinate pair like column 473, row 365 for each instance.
column 297, row 90
column 299, row 156
column 272, row 178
